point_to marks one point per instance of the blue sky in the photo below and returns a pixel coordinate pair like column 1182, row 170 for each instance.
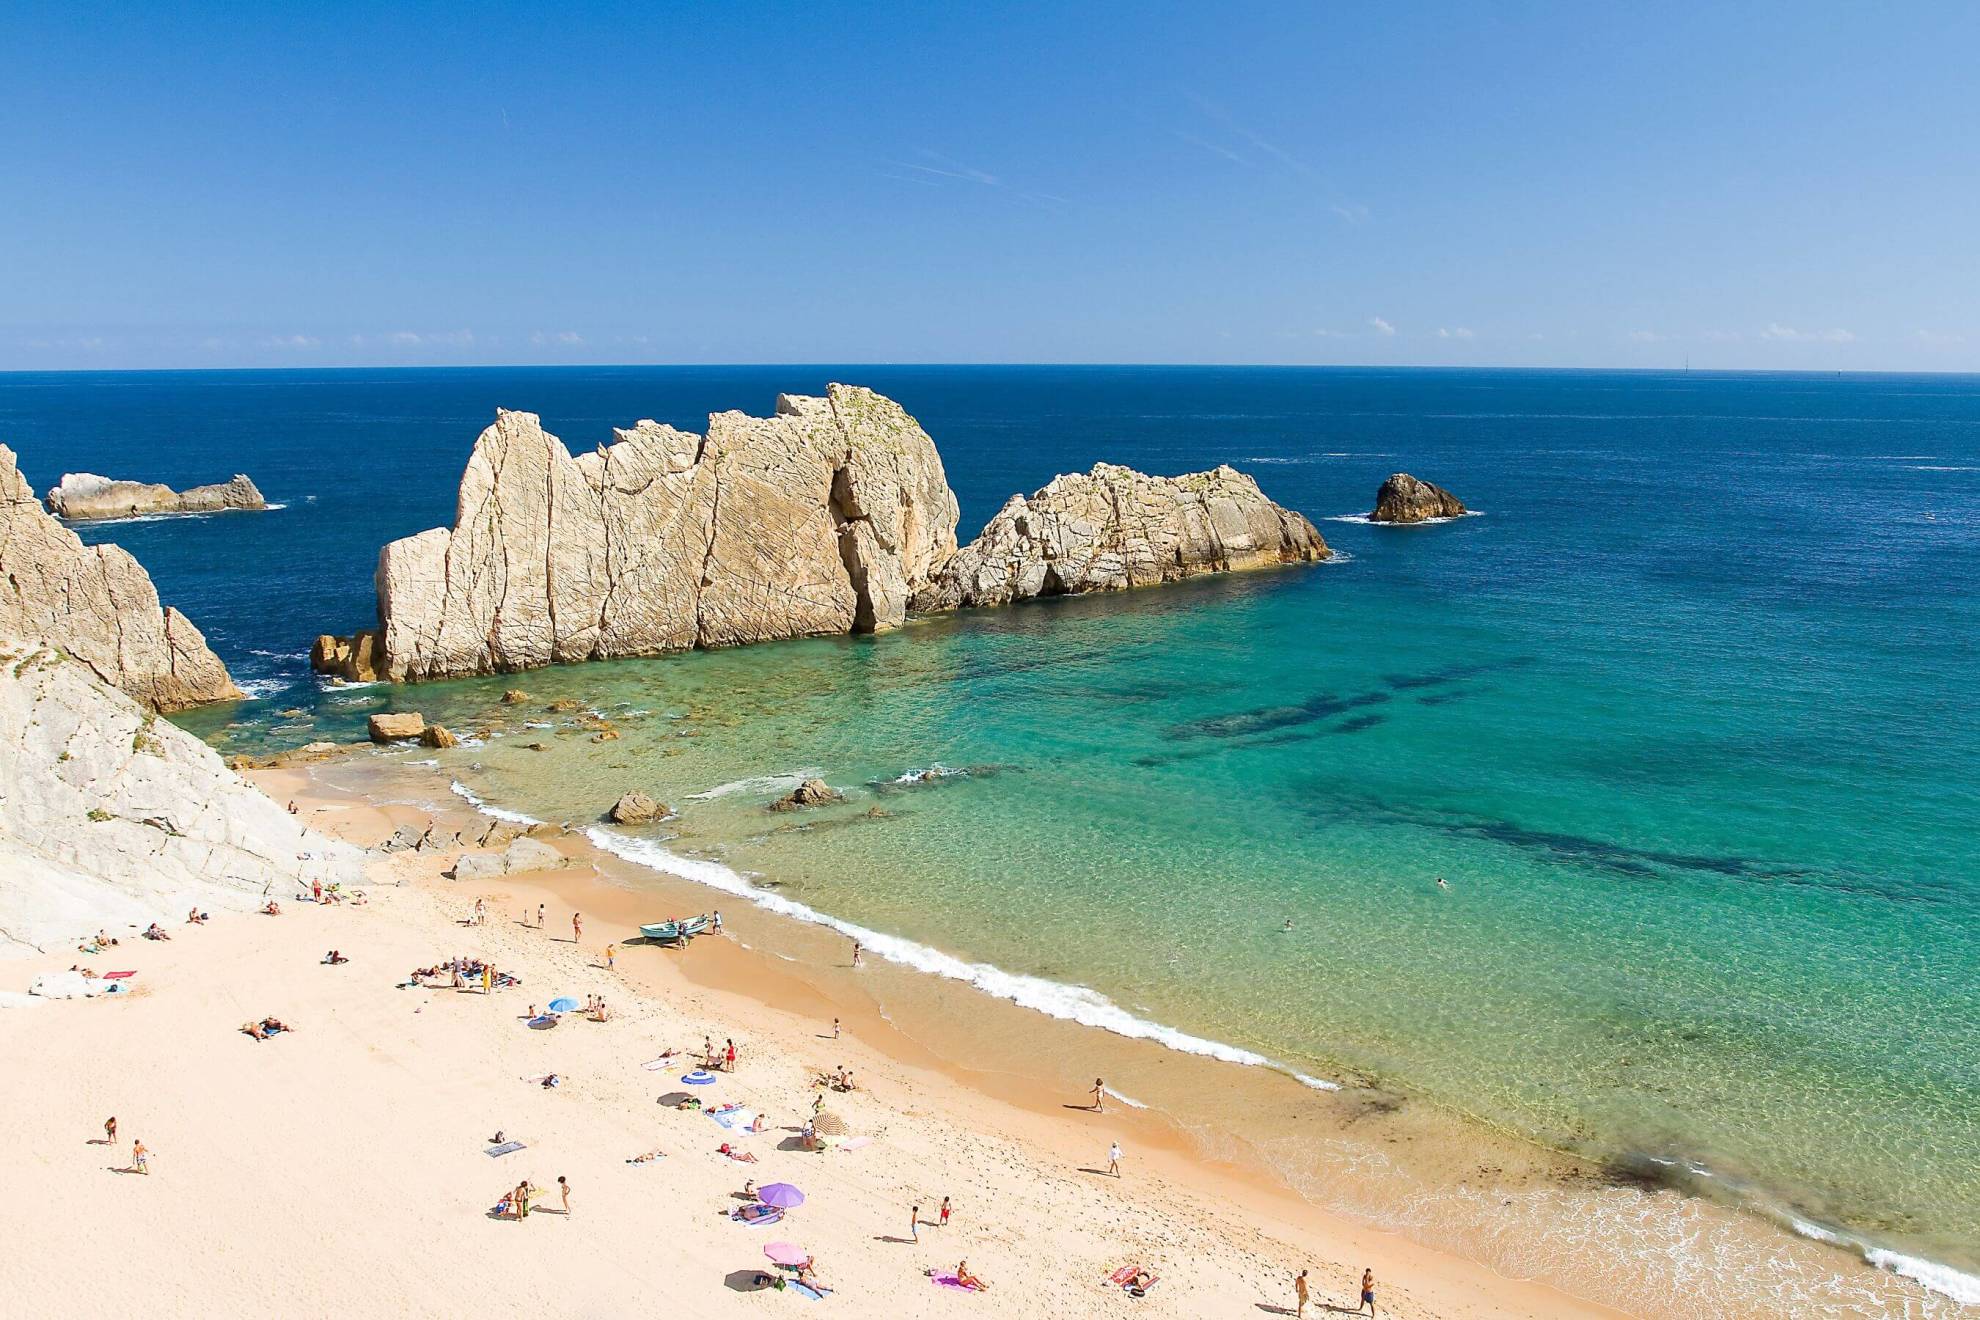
column 1782, row 186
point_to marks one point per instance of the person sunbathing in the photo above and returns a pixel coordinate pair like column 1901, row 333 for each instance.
column 155, row 933
column 271, row 908
column 964, row 1279
column 691, row 1102
column 648, row 1156
column 333, row 957
column 744, row 1156
column 749, row 1214
column 268, row 1026
column 102, row 938
column 195, row 918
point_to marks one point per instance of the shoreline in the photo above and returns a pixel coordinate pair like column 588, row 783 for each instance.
column 1032, row 1053
column 363, row 1128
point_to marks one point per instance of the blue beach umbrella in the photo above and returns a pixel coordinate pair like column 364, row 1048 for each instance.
column 699, row 1077
column 563, row 1004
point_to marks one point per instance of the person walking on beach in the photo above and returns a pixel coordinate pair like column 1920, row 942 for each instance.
column 942, row 1217
column 1099, row 1094
column 611, row 957
column 1367, row 1292
column 1114, row 1159
column 140, row 1158
column 564, row 1191
column 855, row 953
column 539, row 916
column 835, row 1028
column 110, row 1131
column 729, row 1059
column 914, row 1224
column 577, row 927
column 1299, row 1293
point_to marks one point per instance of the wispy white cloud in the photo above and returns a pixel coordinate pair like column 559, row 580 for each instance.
column 567, row 338
column 1353, row 213
column 1938, row 338
column 292, row 341
column 1461, row 332
column 1649, row 337
column 1721, row 336
column 1788, row 334
column 1381, row 327
column 1214, row 148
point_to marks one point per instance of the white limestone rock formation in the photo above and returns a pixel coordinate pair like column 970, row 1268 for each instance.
column 86, row 497
column 97, row 604
column 824, row 518
column 1115, row 528
column 111, row 818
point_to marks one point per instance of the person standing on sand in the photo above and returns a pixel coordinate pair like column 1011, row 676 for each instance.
column 855, row 953
column 539, row 916
column 564, row 1191
column 611, row 957
column 577, row 927
column 835, row 1028
column 729, row 1059
column 1367, row 1292
column 1099, row 1093
column 1299, row 1292
column 942, row 1218
column 488, row 978
column 914, row 1224
column 140, row 1158
column 1114, row 1159
column 110, row 1131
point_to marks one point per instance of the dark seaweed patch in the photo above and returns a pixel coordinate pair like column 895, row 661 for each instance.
column 1360, row 722
column 1268, row 719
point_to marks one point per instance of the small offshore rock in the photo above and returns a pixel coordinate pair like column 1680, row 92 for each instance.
column 811, row 793
column 1404, row 499
column 563, row 706
column 514, row 697
column 635, row 808
column 435, row 735
column 396, row 727
column 86, row 497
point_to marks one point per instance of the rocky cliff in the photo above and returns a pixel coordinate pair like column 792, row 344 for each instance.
column 1404, row 499
column 1114, row 528
column 826, row 517
column 832, row 516
column 84, row 496
column 97, row 604
column 111, row 817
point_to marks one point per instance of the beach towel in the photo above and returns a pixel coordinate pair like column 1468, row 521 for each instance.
column 856, row 1143
column 506, row 1148
column 117, row 976
column 806, row 1290
column 542, row 1022
column 770, row 1215
column 948, row 1281
column 736, row 1120
column 655, row 1065
column 1124, row 1278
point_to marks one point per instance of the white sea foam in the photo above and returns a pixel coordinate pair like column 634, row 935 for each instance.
column 935, row 770
column 756, row 784
column 1421, row 522
column 1073, row 1003
column 1127, row 1100
column 331, row 684
column 1941, row 467
column 486, row 808
column 1316, row 1083
column 280, row 655
column 1962, row 1288
column 258, row 688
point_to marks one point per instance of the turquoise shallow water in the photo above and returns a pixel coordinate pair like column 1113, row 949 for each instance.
column 1684, row 718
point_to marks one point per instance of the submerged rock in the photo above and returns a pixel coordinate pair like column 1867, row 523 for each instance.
column 97, row 604
column 1404, row 499
column 811, row 793
column 514, row 697
column 84, row 496
column 1114, row 528
column 396, row 727
column 635, row 808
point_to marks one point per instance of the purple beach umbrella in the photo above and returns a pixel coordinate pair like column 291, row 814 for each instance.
column 782, row 1195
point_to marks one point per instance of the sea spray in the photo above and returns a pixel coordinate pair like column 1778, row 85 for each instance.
column 487, row 808
column 1072, row 1003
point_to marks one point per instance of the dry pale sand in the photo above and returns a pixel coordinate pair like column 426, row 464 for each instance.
column 342, row 1167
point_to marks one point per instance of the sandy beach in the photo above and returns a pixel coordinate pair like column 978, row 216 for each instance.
column 343, row 1165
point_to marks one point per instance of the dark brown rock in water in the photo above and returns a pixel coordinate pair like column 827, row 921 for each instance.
column 355, row 659
column 562, row 705
column 635, row 808
column 1404, row 499
column 436, row 736
column 387, row 728
column 811, row 793
column 514, row 697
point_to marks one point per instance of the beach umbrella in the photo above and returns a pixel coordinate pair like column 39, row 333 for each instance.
column 828, row 1124
column 782, row 1195
column 699, row 1077
column 563, row 1004
column 787, row 1253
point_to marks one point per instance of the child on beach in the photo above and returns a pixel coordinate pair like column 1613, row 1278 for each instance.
column 942, row 1216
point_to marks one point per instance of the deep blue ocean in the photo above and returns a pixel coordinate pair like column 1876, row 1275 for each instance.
column 1686, row 715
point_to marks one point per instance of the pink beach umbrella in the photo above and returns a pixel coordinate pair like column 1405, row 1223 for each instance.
column 787, row 1253
column 782, row 1195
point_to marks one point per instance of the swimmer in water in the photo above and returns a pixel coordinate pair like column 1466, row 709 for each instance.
column 1288, row 925
column 1441, row 884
